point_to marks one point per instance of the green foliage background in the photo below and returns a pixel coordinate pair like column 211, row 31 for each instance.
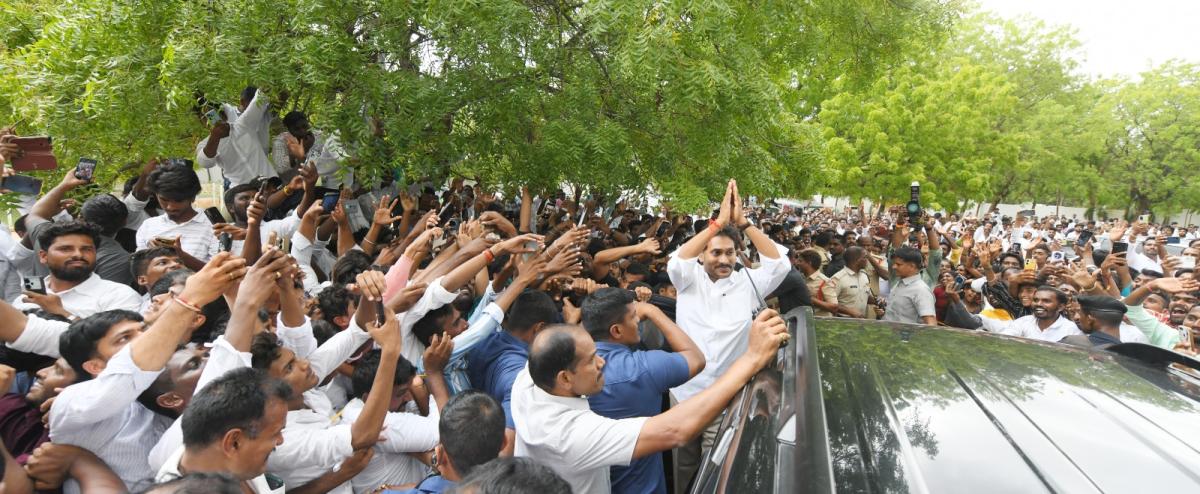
column 846, row 97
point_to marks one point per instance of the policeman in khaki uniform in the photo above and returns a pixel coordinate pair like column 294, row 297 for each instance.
column 853, row 285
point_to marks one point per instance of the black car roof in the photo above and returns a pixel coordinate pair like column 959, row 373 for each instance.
column 918, row 409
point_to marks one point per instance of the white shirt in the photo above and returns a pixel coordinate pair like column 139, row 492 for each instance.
column 716, row 315
column 40, row 336
column 1027, row 327
column 435, row 296
column 241, row 155
column 325, row 154
column 283, row 228
column 195, row 235
column 170, row 471
column 1131, row 334
column 565, row 435
column 94, row 295
column 405, row 433
column 103, row 416
column 312, row 443
column 221, row 359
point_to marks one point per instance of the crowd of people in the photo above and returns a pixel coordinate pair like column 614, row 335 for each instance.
column 324, row 334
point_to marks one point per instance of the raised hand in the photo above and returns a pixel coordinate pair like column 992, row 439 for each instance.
column 1176, row 285
column 726, row 212
column 437, row 354
column 407, row 297
column 222, row 271
column 767, row 333
column 736, row 216
column 387, row 335
column 383, row 213
column 409, row 203
column 516, row 245
column 649, row 246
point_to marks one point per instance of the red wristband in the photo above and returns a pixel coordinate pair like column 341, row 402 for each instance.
column 489, row 255
column 713, row 226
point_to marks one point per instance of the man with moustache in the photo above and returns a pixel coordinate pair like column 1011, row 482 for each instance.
column 716, row 303
column 68, row 250
column 1046, row 323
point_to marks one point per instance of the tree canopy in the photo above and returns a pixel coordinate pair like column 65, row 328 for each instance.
column 611, row 94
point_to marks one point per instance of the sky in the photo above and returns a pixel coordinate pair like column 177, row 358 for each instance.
column 1119, row 37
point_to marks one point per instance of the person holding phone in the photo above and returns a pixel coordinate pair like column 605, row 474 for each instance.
column 236, row 142
column 182, row 228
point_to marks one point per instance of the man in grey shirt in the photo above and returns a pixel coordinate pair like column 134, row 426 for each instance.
column 108, row 214
column 911, row 300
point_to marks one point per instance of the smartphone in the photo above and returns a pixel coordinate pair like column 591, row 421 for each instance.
column 1119, row 247
column 214, row 215
column 380, row 317
column 262, row 189
column 226, row 242
column 531, row 246
column 1172, row 240
column 165, row 240
column 21, row 184
column 1084, row 237
column 1187, row 262
column 959, row 281
column 213, row 116
column 1057, row 256
column 1030, row 264
column 85, row 169
column 329, row 202
column 36, row 154
column 33, row 284
column 285, row 244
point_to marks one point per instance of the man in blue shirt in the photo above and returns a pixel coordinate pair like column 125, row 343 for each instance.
column 494, row 363
column 634, row 381
column 471, row 429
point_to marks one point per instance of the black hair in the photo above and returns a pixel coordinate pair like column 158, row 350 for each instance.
column 248, row 94
column 323, row 330
column 65, row 228
column 1058, row 294
column 294, row 118
column 233, row 192
column 1041, row 247
column 364, row 373
column 198, row 483
column 909, row 255
column 530, row 308
column 79, row 342
column 604, row 308
column 106, row 212
column 731, row 233
column 811, row 257
column 663, row 285
column 431, row 323
column 471, row 429
column 822, row 238
column 19, row 225
column 139, row 261
column 553, row 355
column 512, row 475
column 347, row 268
column 236, row 400
column 334, row 301
column 637, row 268
column 639, row 284
column 264, row 349
column 176, row 182
column 1020, row 259
column 168, row 280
